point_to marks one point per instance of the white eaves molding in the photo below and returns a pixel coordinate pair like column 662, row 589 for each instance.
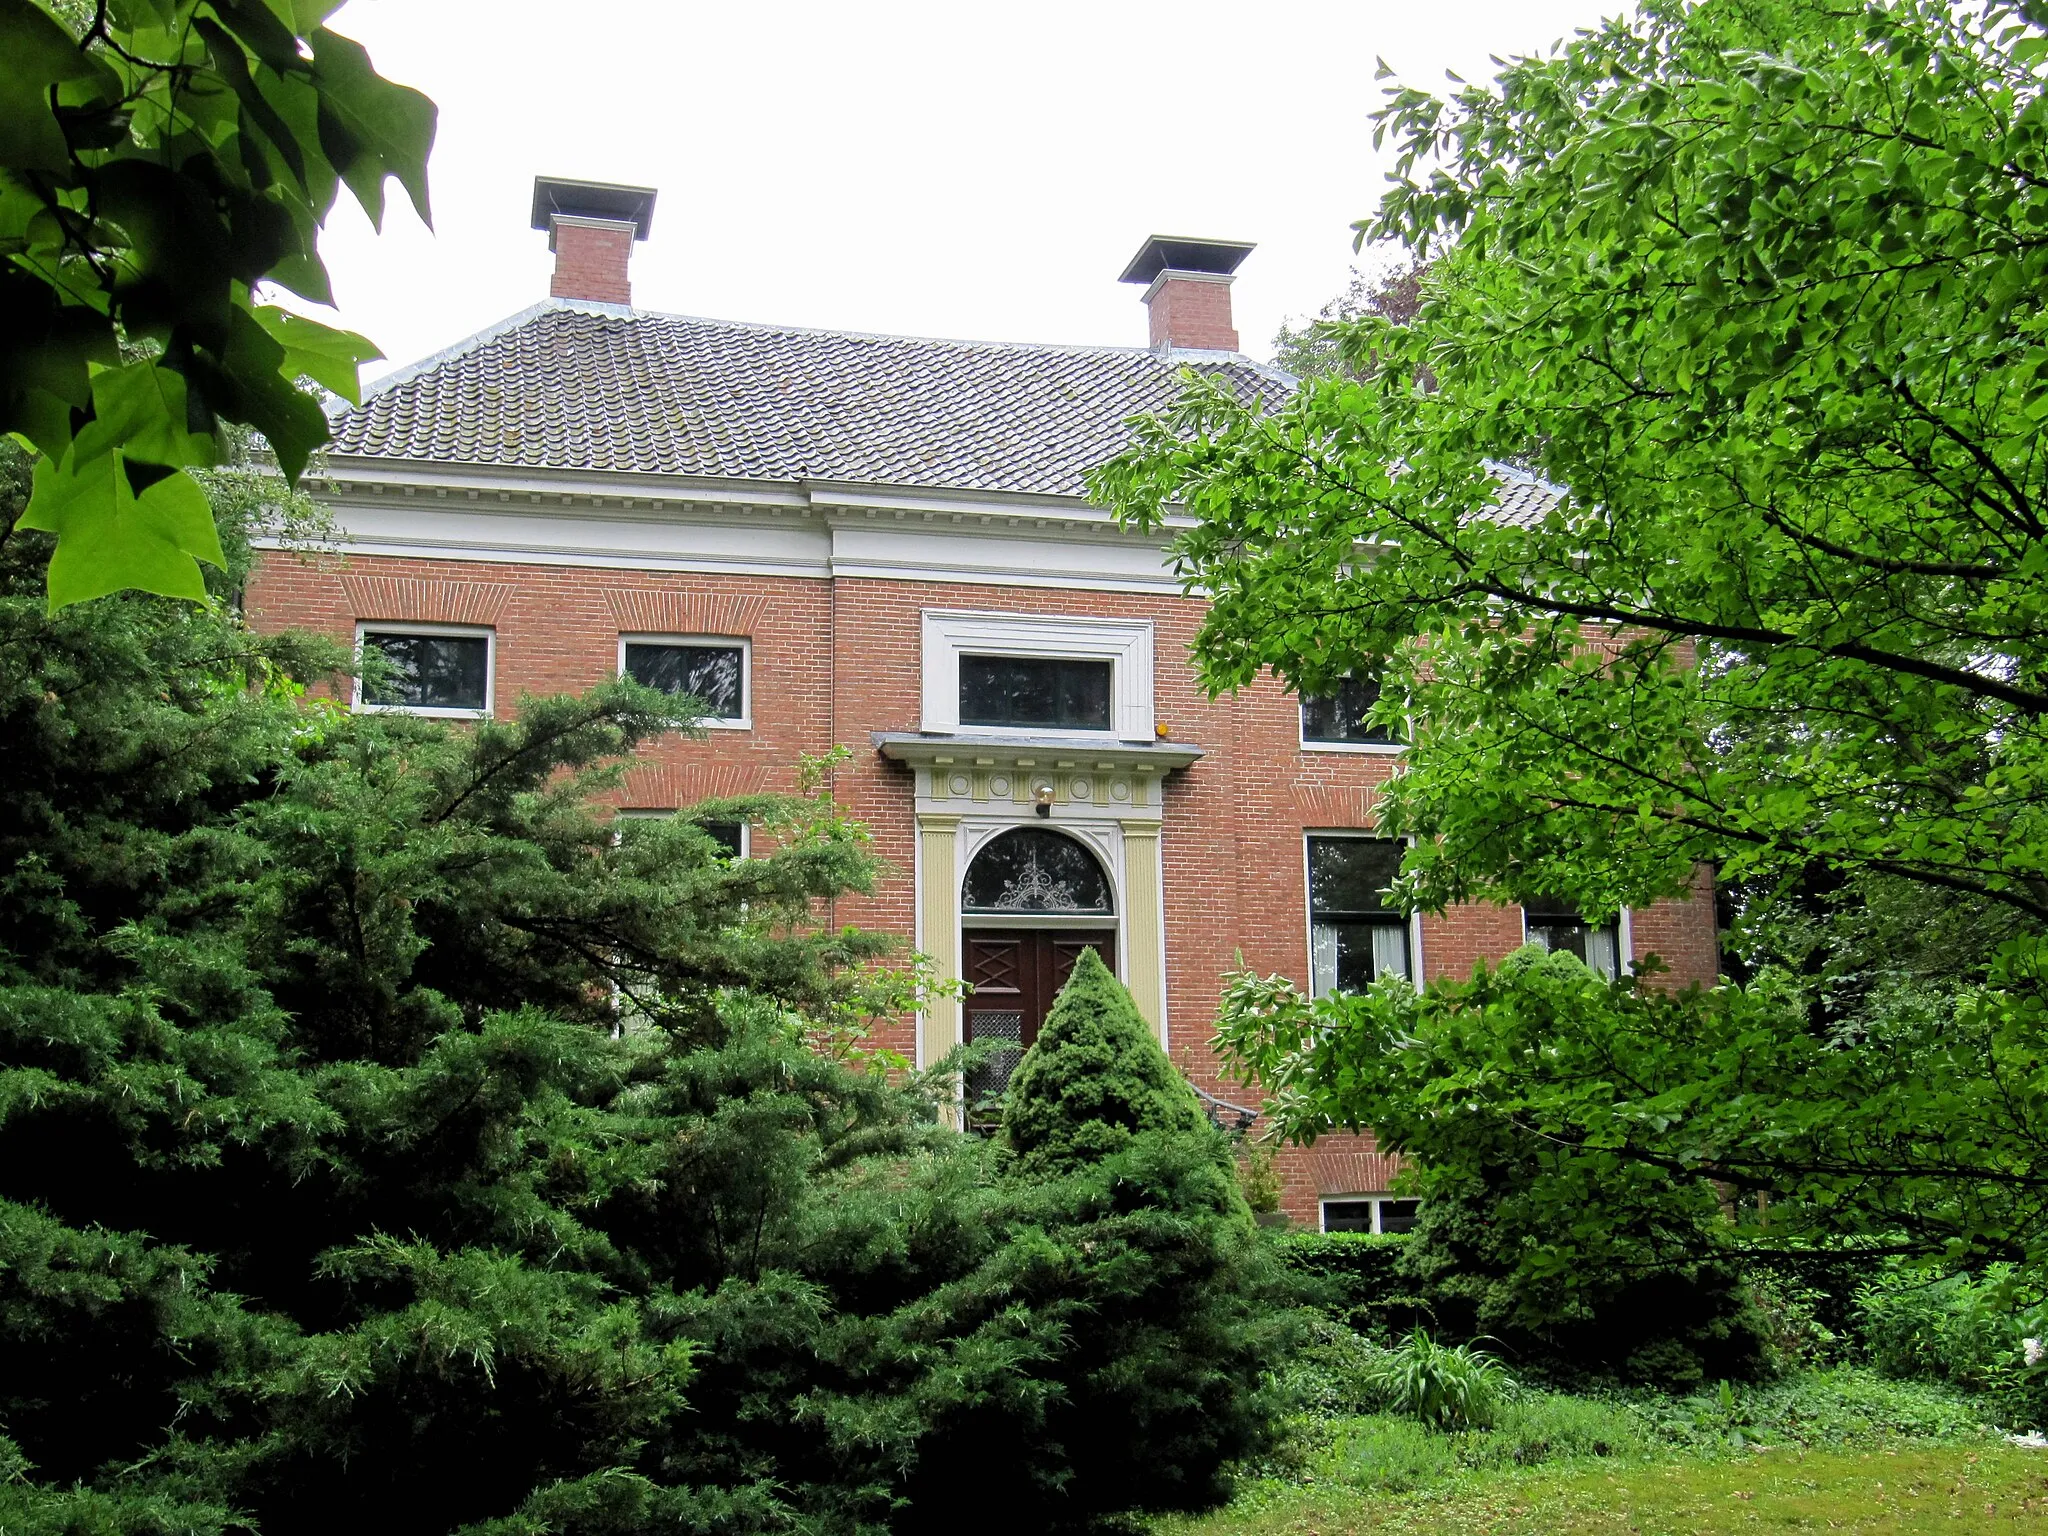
column 770, row 528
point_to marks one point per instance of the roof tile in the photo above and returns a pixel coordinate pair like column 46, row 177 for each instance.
column 586, row 387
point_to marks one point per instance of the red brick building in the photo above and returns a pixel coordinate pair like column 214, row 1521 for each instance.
column 884, row 542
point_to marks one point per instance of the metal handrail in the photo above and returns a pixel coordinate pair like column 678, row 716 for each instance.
column 1216, row 1108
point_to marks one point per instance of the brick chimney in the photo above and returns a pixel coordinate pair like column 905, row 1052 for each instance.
column 591, row 228
column 1188, row 290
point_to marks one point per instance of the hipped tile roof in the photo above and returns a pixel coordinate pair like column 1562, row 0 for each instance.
column 576, row 386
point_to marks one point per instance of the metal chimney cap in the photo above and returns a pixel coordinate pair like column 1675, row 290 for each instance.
column 1185, row 253
column 592, row 200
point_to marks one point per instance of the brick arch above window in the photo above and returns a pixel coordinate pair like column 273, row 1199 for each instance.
column 426, row 602
column 665, row 610
column 679, row 784
column 1329, row 806
column 1360, row 1165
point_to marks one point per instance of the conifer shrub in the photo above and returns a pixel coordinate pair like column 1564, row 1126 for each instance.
column 389, row 1140
column 1125, row 1235
column 1094, row 1079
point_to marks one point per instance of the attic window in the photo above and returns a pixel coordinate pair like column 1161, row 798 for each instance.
column 1059, row 692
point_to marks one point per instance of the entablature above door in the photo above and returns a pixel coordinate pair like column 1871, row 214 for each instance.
column 1013, row 776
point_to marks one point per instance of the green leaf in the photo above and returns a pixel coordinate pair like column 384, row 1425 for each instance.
column 146, row 186
column 305, row 275
column 321, row 352
column 371, row 128
column 259, row 28
column 38, row 55
column 142, row 411
column 109, row 538
column 254, row 385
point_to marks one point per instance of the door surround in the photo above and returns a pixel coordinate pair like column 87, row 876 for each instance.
column 1109, row 798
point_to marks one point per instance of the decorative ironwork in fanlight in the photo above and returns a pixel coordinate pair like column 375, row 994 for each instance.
column 1033, row 870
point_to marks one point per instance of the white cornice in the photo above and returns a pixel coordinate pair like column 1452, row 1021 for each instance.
column 820, row 529
column 924, row 749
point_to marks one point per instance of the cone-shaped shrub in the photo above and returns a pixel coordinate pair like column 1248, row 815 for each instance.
column 1095, row 1078
column 1148, row 1314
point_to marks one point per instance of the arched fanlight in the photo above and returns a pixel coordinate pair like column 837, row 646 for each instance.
column 1033, row 869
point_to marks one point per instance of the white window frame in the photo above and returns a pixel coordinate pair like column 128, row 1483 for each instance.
column 1308, row 906
column 1624, row 940
column 1126, row 644
column 365, row 627
column 659, row 813
column 745, row 722
column 1360, row 748
column 1377, row 1200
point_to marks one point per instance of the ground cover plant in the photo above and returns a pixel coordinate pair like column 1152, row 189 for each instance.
column 1391, row 1428
column 389, row 1139
column 1904, row 1490
column 1843, row 1447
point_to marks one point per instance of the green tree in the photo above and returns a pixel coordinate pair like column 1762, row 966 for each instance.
column 1577, row 1261
column 388, row 1137
column 159, row 160
column 1315, row 349
column 1095, row 1078
column 1127, row 1242
column 310, row 1095
column 1755, row 286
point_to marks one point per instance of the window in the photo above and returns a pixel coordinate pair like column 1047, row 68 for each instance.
column 734, row 837
column 1355, row 935
column 1339, row 719
column 1370, row 1213
column 712, row 671
column 425, row 669
column 1555, row 925
column 1036, row 674
column 1060, row 692
column 1034, row 870
column 729, row 835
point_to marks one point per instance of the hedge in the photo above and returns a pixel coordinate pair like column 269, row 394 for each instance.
column 1351, row 1277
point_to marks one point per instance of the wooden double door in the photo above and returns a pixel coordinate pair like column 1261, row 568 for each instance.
column 1016, row 973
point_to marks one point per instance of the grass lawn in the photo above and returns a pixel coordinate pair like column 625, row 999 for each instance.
column 1953, row 1488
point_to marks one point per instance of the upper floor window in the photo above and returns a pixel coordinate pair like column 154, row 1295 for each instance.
column 425, row 669
column 713, row 671
column 1356, row 934
column 1556, row 925
column 1343, row 718
column 1059, row 692
column 1036, row 674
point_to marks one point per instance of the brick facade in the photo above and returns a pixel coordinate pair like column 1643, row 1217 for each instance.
column 835, row 659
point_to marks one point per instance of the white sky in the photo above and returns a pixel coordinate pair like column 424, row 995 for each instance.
column 935, row 169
